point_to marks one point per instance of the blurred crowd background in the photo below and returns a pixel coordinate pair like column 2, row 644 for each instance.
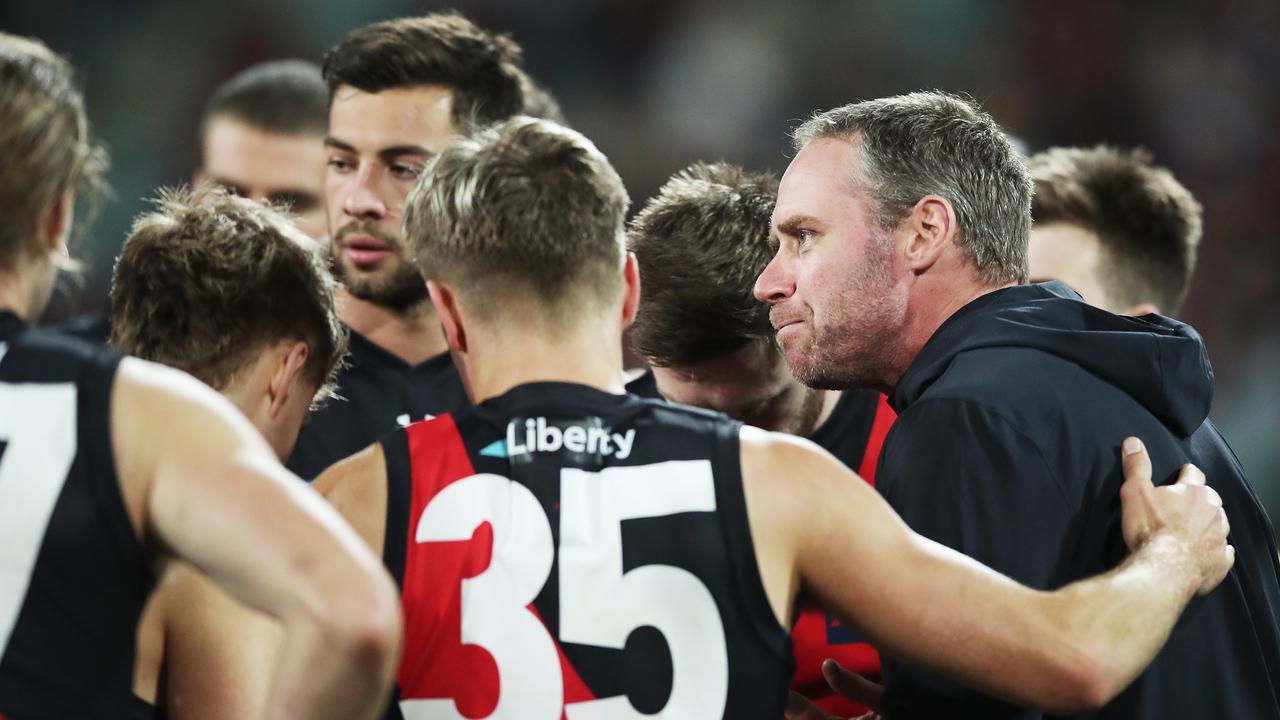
column 659, row 83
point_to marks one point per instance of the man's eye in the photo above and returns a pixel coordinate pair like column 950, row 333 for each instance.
column 804, row 236
column 406, row 172
column 340, row 164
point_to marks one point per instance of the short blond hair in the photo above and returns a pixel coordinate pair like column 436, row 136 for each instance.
column 525, row 206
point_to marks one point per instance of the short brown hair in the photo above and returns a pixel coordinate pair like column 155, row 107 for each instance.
column 446, row 49
column 936, row 143
column 701, row 243
column 208, row 279
column 528, row 205
column 45, row 148
column 1148, row 223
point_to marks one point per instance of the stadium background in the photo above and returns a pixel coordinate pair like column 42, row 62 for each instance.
column 659, row 83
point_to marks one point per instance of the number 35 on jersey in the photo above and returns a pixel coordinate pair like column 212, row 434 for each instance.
column 477, row 645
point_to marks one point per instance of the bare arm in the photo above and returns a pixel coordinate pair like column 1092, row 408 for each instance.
column 1060, row 652
column 200, row 482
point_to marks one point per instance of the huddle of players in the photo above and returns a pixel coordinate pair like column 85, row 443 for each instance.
column 488, row 227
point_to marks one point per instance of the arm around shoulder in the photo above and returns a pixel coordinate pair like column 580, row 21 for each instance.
column 202, row 484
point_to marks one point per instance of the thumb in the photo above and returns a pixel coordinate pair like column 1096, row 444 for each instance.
column 851, row 685
column 1137, row 465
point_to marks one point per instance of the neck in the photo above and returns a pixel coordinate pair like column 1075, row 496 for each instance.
column 499, row 359
column 931, row 303
column 413, row 335
column 15, row 293
column 830, row 398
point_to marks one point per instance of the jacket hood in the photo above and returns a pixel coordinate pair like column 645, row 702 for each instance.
column 1158, row 361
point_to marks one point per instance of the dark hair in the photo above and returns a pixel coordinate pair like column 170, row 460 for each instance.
column 1149, row 225
column 701, row 243
column 446, row 49
column 935, row 143
column 45, row 148
column 207, row 279
column 539, row 102
column 526, row 206
column 287, row 97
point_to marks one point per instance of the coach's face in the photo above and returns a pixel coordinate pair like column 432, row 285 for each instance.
column 836, row 300
column 378, row 144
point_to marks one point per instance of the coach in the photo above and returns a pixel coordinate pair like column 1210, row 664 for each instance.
column 902, row 226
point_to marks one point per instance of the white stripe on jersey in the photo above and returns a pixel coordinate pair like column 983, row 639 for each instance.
column 38, row 428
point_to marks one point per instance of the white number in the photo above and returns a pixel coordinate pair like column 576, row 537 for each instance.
column 38, row 423
column 599, row 604
column 494, row 612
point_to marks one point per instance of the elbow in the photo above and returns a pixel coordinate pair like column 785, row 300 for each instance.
column 1089, row 682
column 366, row 626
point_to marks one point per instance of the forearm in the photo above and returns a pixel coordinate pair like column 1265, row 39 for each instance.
column 1121, row 619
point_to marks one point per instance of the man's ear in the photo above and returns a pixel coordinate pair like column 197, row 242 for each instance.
column 932, row 226
column 631, row 288
column 285, row 376
column 57, row 223
column 446, row 305
column 1143, row 309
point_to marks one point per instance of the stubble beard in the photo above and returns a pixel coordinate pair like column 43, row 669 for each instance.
column 860, row 349
column 397, row 286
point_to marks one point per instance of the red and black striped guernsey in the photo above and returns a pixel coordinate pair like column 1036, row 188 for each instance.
column 568, row 553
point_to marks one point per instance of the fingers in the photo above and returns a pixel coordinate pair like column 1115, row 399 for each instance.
column 800, row 708
column 1189, row 475
column 851, row 685
column 1137, row 464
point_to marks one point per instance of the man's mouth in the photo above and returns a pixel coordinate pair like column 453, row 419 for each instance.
column 781, row 322
column 364, row 250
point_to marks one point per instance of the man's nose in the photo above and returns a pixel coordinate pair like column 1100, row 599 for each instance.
column 775, row 283
column 362, row 201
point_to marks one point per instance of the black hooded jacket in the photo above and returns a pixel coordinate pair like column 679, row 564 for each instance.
column 1007, row 448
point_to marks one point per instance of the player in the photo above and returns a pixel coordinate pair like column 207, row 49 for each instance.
column 700, row 244
column 1116, row 228
column 262, row 137
column 400, row 91
column 228, row 291
column 110, row 467
column 565, row 547
column 1009, row 396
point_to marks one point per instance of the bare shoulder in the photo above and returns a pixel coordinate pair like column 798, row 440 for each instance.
column 152, row 404
column 161, row 416
column 795, row 487
column 786, row 464
column 357, row 488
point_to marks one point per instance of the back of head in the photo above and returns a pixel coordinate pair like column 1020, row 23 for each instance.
column 437, row 49
column 523, row 220
column 935, row 143
column 1148, row 224
column 539, row 102
column 45, row 149
column 701, row 243
column 208, row 280
column 286, row 97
